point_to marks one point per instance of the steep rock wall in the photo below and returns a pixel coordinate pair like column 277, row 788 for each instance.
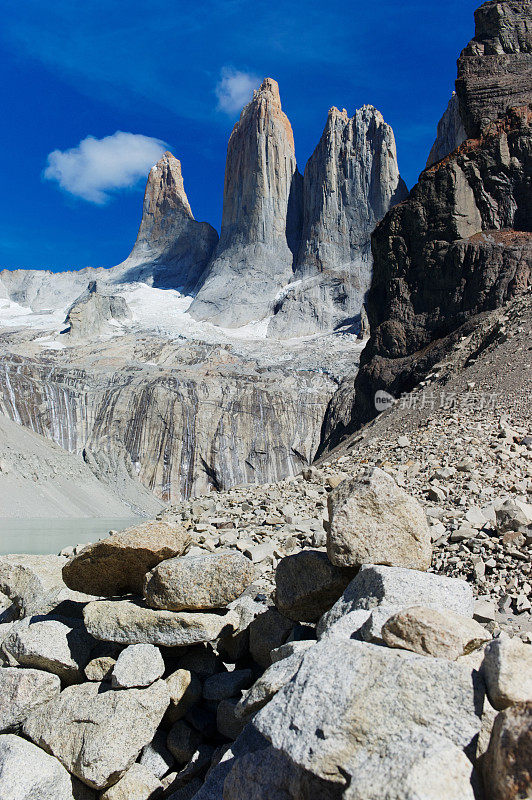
column 181, row 432
column 261, row 217
column 350, row 182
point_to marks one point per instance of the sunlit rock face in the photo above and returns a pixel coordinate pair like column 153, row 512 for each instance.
column 261, row 216
column 199, row 419
column 451, row 132
column 350, row 182
column 172, row 248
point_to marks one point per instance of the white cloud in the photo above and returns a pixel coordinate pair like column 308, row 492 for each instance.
column 234, row 89
column 98, row 166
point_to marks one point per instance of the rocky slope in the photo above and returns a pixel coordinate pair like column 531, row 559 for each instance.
column 38, row 479
column 350, row 182
column 260, row 222
column 459, row 245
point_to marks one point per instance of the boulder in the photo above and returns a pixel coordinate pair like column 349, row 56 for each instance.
column 156, row 756
column 229, row 725
column 227, row 684
column 22, row 690
column 137, row 665
column 267, row 632
column 381, row 722
column 96, row 732
column 434, row 633
column 507, row 764
column 249, row 741
column 183, row 741
column 117, row 564
column 427, row 767
column 290, row 648
column 62, row 647
column 8, row 610
column 198, row 582
column 138, row 783
column 236, row 645
column 28, row 773
column 34, row 583
column 390, row 589
column 507, row 670
column 373, row 521
column 100, row 669
column 127, row 622
column 185, row 691
column 307, row 585
column 270, row 682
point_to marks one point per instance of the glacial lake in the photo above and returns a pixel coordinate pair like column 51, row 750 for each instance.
column 44, row 536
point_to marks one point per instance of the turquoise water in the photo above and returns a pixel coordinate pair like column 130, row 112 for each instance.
column 42, row 536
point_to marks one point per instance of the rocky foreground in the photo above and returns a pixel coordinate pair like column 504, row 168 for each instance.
column 240, row 647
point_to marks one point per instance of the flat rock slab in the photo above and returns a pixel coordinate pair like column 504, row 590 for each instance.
column 21, row 691
column 59, row 646
column 434, row 633
column 351, row 705
column 373, row 521
column 28, row 773
column 118, row 564
column 198, row 582
column 127, row 622
column 97, row 732
column 307, row 585
column 138, row 665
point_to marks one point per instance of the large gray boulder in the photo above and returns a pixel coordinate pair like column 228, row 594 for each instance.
column 373, row 521
column 22, row 690
column 138, row 665
column 373, row 722
column 307, row 585
column 507, row 670
column 126, row 622
column 377, row 592
column 34, row 583
column 428, row 767
column 28, row 773
column 198, row 582
column 270, row 682
column 117, row 564
column 97, row 732
column 62, row 647
column 441, row 634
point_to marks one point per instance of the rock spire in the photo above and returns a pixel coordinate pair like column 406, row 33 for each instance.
column 350, row 182
column 260, row 222
column 172, row 248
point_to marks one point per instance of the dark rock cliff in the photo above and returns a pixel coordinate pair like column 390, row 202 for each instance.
column 462, row 241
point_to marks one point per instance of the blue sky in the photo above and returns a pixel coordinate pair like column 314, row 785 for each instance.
column 73, row 70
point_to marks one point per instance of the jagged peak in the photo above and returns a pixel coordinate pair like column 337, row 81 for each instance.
column 266, row 102
column 269, row 88
column 166, row 174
